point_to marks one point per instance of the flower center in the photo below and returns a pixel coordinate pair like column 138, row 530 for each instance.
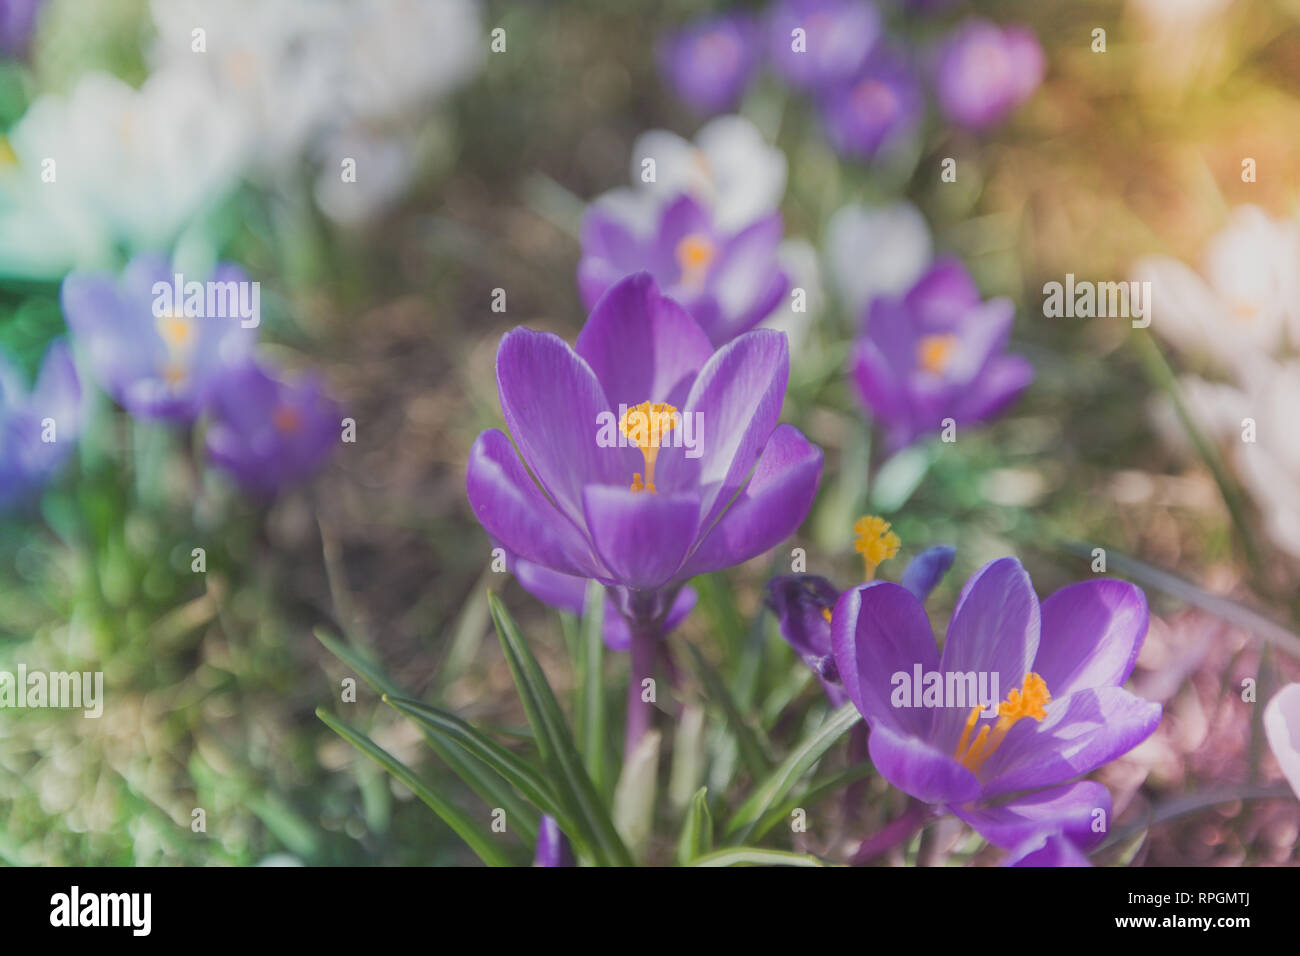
column 1243, row 311
column 695, row 254
column 718, row 50
column 177, row 331
column 646, row 426
column 875, row 101
column 934, row 352
column 1029, row 701
column 875, row 542
column 177, row 334
column 286, row 419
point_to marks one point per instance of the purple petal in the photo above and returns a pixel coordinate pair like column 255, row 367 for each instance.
column 610, row 251
column 1070, row 810
column 553, row 847
column 994, row 630
column 917, row 768
column 1080, row 733
column 926, row 570
column 554, row 407
column 736, row 400
column 1092, row 632
column 942, row 296
column 879, row 630
column 995, row 388
column 769, row 510
column 799, row 602
column 642, row 346
column 1046, row 849
column 511, row 508
column 641, row 536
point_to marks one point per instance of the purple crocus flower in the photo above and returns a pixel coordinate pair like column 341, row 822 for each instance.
column 645, row 457
column 38, row 429
column 155, row 366
column 803, row 603
column 17, row 23
column 874, row 111
column 1064, row 715
column 984, row 72
column 553, row 848
column 936, row 353
column 564, row 592
column 267, row 433
column 728, row 282
column 710, row 63
column 837, row 38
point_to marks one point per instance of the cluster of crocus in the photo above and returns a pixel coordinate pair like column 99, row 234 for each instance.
column 38, row 427
column 803, row 603
column 173, row 365
column 639, row 511
column 728, row 281
column 1238, row 320
column 867, row 85
column 1014, row 779
column 703, row 221
column 936, row 356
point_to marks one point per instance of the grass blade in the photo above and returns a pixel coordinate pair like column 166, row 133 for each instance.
column 555, row 742
column 591, row 671
column 753, row 749
column 1236, row 614
column 754, row 856
column 458, row 733
column 476, row 775
column 696, row 839
column 479, row 841
column 783, row 779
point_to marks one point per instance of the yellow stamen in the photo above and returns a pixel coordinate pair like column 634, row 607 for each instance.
column 1031, row 700
column 826, row 613
column 934, row 352
column 875, row 542
column 174, row 374
column 695, row 254
column 177, row 331
column 1243, row 311
column 646, row 426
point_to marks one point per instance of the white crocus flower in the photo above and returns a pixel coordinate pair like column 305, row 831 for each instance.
column 876, row 250
column 276, row 62
column 402, row 55
column 1270, row 465
column 112, row 164
column 1282, row 727
column 384, row 166
column 1242, row 303
column 729, row 168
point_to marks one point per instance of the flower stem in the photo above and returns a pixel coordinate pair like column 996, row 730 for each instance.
column 894, row 834
column 644, row 648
